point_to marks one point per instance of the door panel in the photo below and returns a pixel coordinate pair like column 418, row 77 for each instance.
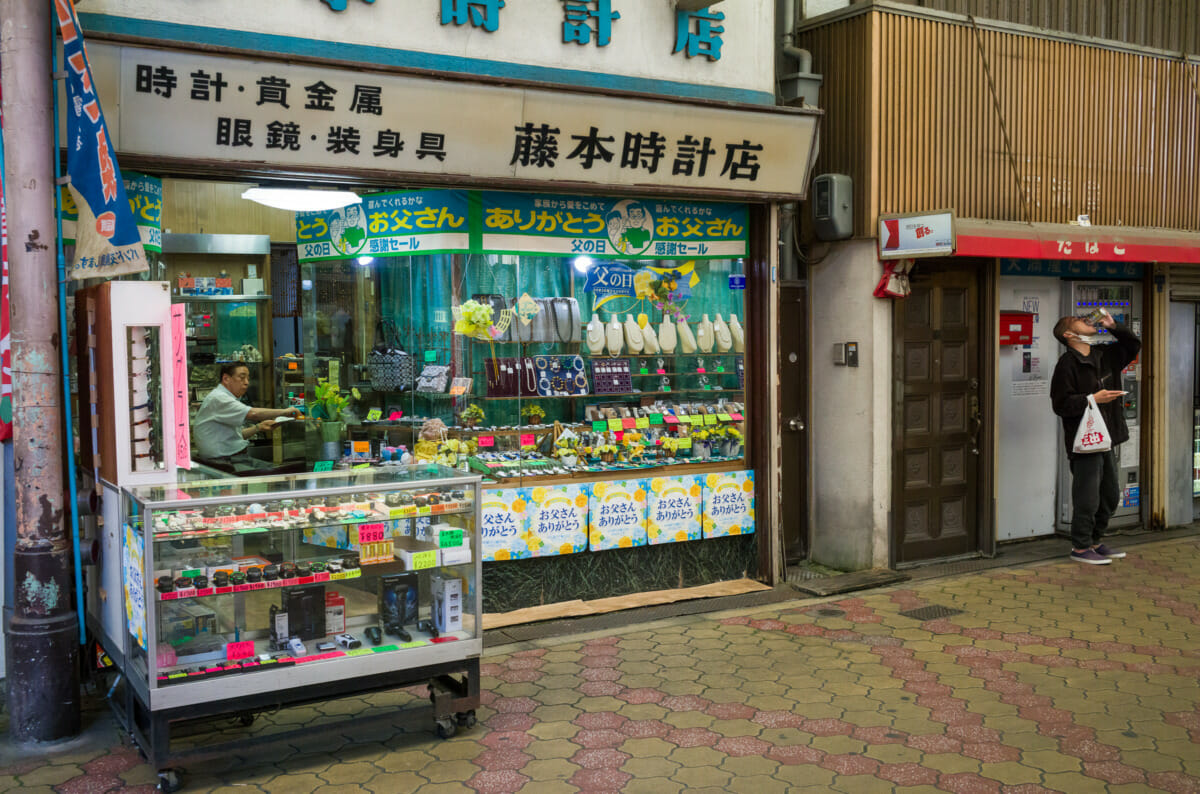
column 793, row 414
column 937, row 362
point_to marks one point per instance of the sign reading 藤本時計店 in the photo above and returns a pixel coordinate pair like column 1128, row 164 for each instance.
column 188, row 105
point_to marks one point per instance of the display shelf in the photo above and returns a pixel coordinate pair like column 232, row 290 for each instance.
column 601, row 397
column 231, row 298
column 662, row 355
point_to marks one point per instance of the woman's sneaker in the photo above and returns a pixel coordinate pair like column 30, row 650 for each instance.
column 1105, row 551
column 1090, row 556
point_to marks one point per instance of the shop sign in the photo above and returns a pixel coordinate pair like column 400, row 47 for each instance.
column 1059, row 268
column 386, row 224
column 617, row 515
column 906, row 236
column 191, row 106
column 145, row 202
column 558, row 518
column 614, row 228
column 504, row 533
column 107, row 243
column 728, row 504
column 673, row 508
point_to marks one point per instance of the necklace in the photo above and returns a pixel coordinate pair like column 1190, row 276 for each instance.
column 569, row 336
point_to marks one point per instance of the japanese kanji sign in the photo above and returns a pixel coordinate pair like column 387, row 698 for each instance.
column 227, row 109
column 386, row 224
column 145, row 202
column 108, row 243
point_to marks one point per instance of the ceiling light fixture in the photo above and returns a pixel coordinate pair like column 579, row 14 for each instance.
column 300, row 200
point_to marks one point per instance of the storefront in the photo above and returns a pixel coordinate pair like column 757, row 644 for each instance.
column 567, row 292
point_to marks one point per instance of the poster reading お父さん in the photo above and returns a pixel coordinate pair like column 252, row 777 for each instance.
column 673, row 508
column 558, row 519
column 505, row 530
column 728, row 504
column 617, row 515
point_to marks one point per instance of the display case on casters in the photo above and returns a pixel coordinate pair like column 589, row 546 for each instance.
column 252, row 593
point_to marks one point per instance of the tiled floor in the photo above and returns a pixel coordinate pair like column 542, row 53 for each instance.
column 1053, row 677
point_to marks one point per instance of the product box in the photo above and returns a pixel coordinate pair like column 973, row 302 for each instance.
column 457, row 556
column 246, row 563
column 331, row 536
column 399, row 601
column 416, row 555
column 204, row 620
column 175, row 624
column 252, row 286
column 447, row 602
column 335, row 613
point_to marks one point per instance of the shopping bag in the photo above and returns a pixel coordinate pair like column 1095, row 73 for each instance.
column 389, row 368
column 1093, row 435
column 894, row 283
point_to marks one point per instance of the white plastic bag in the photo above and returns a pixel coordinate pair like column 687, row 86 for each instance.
column 1093, row 435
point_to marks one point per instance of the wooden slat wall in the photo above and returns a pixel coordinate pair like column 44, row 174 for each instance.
column 1094, row 131
column 195, row 207
column 1160, row 24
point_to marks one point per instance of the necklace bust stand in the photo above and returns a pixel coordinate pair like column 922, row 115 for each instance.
column 595, row 335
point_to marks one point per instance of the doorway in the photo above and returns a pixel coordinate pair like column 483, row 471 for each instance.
column 937, row 419
column 793, row 418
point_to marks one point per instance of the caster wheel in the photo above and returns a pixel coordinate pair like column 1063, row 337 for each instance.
column 169, row 780
column 245, row 720
column 446, row 728
column 465, row 719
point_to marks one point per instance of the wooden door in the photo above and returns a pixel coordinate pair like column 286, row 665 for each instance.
column 793, row 418
column 937, row 419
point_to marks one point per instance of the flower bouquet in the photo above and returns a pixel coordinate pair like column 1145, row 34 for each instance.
column 533, row 414
column 607, row 452
column 471, row 415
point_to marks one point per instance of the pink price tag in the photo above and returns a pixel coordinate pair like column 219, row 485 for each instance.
column 239, row 650
column 619, row 436
column 528, row 439
column 487, row 441
column 670, row 419
column 701, row 370
column 370, row 533
column 628, row 423
column 736, row 417
column 661, row 371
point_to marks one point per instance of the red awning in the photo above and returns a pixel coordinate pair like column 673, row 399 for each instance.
column 1008, row 240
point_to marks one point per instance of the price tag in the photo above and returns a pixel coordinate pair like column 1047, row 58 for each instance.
column 725, row 417
column 374, row 415
column 363, row 466
column 450, row 538
column 701, row 370
column 619, row 436
column 528, row 439
column 685, row 442
column 370, row 533
column 487, row 441
column 642, row 423
column 643, row 371
column 431, row 355
column 720, row 368
column 628, row 423
column 708, row 387
column 239, row 650
column 656, row 419
column 660, row 372
column 695, row 420
column 710, row 419
column 323, row 465
column 614, row 424
column 666, row 388
column 736, row 417
column 671, row 420
column 599, row 427
column 424, row 559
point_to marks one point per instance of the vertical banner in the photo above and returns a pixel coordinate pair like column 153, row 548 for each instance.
column 133, row 561
column 107, row 239
column 145, row 195
column 728, row 504
column 183, row 441
column 673, row 508
column 617, row 515
column 505, row 533
column 558, row 518
column 6, row 406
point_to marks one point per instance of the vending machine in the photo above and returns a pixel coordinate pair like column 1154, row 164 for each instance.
column 1123, row 300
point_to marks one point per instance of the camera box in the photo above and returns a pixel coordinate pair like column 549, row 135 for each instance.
column 416, row 555
column 447, row 602
column 335, row 613
column 399, row 600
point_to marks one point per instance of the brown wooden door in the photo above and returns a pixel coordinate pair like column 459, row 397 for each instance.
column 793, row 418
column 937, row 418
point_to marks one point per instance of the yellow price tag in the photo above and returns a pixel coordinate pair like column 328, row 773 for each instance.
column 643, row 422
column 710, row 419
column 614, row 424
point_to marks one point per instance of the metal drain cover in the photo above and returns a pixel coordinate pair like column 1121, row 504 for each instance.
column 829, row 612
column 930, row 613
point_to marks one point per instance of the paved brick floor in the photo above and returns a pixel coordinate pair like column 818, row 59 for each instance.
column 1053, row 677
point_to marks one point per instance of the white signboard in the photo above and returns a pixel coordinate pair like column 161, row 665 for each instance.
column 906, row 236
column 200, row 107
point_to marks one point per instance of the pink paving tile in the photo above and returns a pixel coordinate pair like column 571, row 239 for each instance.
column 863, row 617
column 601, row 688
column 519, row 676
column 525, row 663
column 598, row 780
column 968, row 783
column 1009, row 686
column 685, row 703
column 805, row 630
column 510, row 722
column 490, row 669
column 494, row 760
column 778, row 719
column 928, row 688
column 1113, row 772
column 827, row 727
column 1088, row 750
column 521, row 705
column 693, row 737
column 1028, row 788
column 730, row 711
column 991, row 752
column 506, row 740
column 600, row 650
column 850, row 764
column 1112, row 647
column 741, row 620
column 89, row 784
column 1046, row 715
column 1023, row 638
column 982, row 634
column 600, row 758
column 956, row 717
column 1101, row 664
column 605, row 737
column 487, row 697
column 606, row 660
column 598, row 720
column 879, row 734
column 973, row 733
column 1029, row 701
column 908, row 774
column 602, row 641
column 934, row 743
column 795, row 754
column 600, row 674
column 769, row 625
column 114, row 762
column 940, row 702
column 1174, row 782
column 1149, row 668
column 1184, row 719
column 738, row 746
column 645, row 729
column 642, row 695
column 501, row 781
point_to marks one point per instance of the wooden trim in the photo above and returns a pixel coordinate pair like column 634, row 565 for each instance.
column 989, row 366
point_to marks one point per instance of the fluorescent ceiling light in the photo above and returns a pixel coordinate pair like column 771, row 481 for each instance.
column 583, row 263
column 366, row 260
column 299, row 200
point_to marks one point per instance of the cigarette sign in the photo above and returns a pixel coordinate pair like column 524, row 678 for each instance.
column 905, row 236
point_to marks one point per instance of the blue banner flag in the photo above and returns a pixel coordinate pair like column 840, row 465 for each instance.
column 107, row 241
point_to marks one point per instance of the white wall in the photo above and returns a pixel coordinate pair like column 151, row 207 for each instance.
column 814, row 8
column 851, row 411
column 1029, row 432
column 529, row 33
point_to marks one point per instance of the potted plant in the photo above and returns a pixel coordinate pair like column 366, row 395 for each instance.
column 701, row 444
column 607, row 452
column 533, row 414
column 733, row 442
column 670, row 445
column 327, row 408
column 471, row 415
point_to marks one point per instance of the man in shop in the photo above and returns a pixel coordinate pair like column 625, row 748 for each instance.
column 224, row 423
column 1088, row 369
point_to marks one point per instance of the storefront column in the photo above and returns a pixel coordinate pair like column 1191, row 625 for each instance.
column 1157, row 393
column 42, row 634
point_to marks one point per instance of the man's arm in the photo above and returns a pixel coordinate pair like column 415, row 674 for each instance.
column 1125, row 348
column 1064, row 394
column 259, row 414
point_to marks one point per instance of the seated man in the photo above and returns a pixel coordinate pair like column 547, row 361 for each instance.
column 221, row 426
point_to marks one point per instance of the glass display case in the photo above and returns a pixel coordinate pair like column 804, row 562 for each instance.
column 225, row 328
column 285, row 589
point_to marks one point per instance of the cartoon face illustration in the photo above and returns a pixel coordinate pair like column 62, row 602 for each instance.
column 348, row 229
column 616, row 225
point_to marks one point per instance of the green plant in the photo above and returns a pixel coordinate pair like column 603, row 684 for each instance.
column 474, row 319
column 472, row 413
column 533, row 414
column 330, row 401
